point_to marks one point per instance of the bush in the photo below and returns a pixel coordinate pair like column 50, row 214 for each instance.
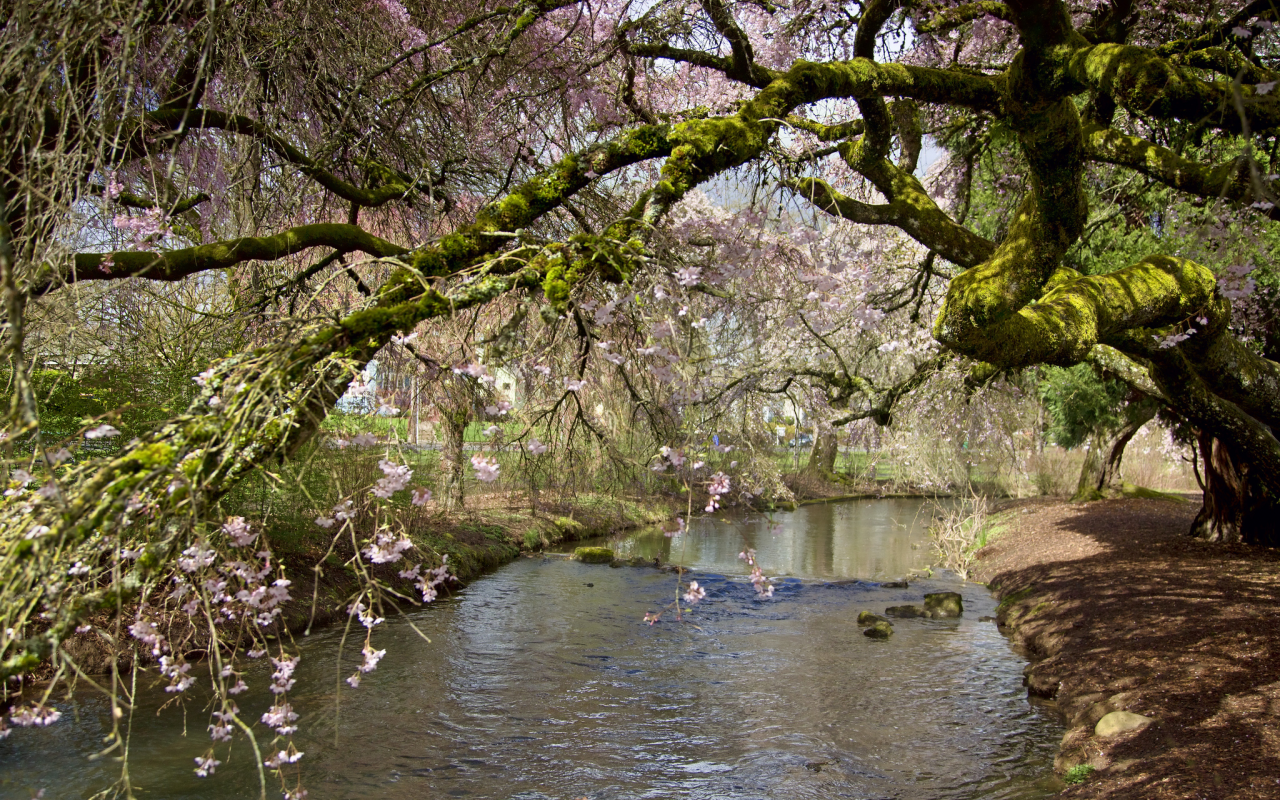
column 957, row 532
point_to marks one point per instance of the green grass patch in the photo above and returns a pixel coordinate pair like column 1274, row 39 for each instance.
column 1078, row 774
column 1014, row 597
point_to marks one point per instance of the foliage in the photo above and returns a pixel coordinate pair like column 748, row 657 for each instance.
column 1077, row 403
column 957, row 530
column 1078, row 774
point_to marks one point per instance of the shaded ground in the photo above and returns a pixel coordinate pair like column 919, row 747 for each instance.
column 1118, row 610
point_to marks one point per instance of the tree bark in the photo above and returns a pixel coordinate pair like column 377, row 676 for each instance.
column 1237, row 505
column 822, row 457
column 1099, row 476
column 453, row 424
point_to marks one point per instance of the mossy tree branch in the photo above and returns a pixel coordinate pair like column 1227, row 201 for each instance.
column 1228, row 180
column 174, row 265
column 910, row 209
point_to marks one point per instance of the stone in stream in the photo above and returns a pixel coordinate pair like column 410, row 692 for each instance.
column 905, row 612
column 880, row 629
column 866, row 619
column 894, row 585
column 594, row 555
column 1118, row 722
column 944, row 605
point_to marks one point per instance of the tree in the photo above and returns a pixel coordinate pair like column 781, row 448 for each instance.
column 1101, row 414
column 425, row 161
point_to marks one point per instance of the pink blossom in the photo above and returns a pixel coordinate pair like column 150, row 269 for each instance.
column 396, row 477
column 281, row 717
column 205, row 765
column 371, row 658
column 695, row 593
column 38, row 716
column 102, row 431
column 239, row 532
column 386, row 548
column 689, row 276
column 281, row 758
column 486, row 468
column 421, row 496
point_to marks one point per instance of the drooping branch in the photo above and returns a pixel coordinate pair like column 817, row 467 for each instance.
column 1111, row 362
column 1146, row 84
column 268, row 402
column 173, row 265
column 707, row 147
column 881, row 408
column 948, row 19
column 911, row 210
column 180, row 122
column 1228, row 180
column 1223, row 32
column 743, row 63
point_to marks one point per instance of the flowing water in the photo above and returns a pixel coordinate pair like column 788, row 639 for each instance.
column 542, row 681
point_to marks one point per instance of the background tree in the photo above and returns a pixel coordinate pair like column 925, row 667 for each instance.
column 1104, row 415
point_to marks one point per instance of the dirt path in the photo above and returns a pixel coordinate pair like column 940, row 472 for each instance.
column 1119, row 611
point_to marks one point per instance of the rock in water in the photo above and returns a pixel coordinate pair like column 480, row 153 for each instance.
column 944, row 605
column 867, row 619
column 880, row 629
column 594, row 555
column 1118, row 722
column 894, row 585
column 905, row 612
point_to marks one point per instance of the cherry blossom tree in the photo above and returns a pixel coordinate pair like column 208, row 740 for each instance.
column 353, row 170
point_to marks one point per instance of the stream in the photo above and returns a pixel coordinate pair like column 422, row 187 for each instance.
column 542, row 681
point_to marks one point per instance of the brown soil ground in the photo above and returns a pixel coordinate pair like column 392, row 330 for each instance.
column 1119, row 610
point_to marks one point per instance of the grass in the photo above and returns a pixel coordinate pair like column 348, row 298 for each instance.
column 1015, row 597
column 1078, row 774
column 957, row 532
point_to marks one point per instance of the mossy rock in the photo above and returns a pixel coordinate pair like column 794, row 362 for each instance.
column 1130, row 490
column 944, row 605
column 1118, row 722
column 905, row 612
column 594, row 555
column 867, row 619
column 569, row 527
column 880, row 629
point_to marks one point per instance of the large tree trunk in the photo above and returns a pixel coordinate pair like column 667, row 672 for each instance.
column 1237, row 506
column 1099, row 475
column 453, row 424
column 822, row 458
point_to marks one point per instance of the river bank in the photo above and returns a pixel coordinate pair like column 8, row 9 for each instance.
column 476, row 540
column 1119, row 611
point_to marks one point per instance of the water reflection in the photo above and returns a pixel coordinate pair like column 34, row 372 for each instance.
column 541, row 682
column 868, row 540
